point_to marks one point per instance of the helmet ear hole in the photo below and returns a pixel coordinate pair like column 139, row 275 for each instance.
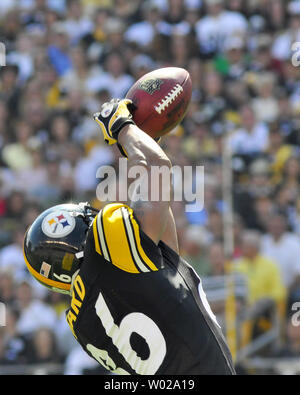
column 53, row 246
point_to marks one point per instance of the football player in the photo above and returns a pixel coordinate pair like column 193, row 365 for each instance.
column 136, row 306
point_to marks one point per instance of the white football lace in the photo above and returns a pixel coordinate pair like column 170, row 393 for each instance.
column 169, row 98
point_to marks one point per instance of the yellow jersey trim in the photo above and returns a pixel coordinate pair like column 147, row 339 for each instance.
column 119, row 238
column 138, row 241
column 116, row 239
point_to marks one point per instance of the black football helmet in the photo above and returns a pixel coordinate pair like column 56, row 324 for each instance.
column 54, row 243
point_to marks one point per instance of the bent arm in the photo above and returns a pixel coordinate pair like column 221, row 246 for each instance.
column 142, row 150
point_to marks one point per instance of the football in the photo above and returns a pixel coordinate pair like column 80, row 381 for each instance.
column 161, row 100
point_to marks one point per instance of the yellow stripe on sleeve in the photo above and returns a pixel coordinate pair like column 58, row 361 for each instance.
column 116, row 238
column 138, row 241
column 117, row 235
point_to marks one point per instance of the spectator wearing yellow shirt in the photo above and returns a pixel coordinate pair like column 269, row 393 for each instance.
column 279, row 153
column 262, row 273
column 266, row 288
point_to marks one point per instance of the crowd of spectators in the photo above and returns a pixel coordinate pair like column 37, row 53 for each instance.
column 66, row 57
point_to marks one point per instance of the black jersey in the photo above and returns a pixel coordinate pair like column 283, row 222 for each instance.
column 138, row 308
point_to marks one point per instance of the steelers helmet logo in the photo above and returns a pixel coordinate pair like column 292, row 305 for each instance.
column 58, row 224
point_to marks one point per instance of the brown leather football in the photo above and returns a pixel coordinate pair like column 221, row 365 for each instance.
column 161, row 100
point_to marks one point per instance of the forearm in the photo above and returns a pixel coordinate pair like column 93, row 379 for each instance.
column 141, row 149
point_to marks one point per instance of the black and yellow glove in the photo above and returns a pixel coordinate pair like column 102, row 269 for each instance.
column 112, row 117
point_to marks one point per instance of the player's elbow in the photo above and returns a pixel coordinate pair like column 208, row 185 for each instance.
column 159, row 159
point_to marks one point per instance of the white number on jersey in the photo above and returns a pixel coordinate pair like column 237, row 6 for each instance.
column 132, row 323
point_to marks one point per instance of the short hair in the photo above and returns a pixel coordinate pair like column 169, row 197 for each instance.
column 251, row 237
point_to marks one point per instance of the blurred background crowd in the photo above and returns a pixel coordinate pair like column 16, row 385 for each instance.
column 66, row 57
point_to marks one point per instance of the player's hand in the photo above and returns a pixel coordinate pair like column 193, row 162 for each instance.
column 112, row 117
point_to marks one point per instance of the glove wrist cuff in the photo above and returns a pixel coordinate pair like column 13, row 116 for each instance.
column 119, row 126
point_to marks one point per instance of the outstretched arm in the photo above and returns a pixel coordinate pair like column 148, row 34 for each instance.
column 154, row 215
column 142, row 150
